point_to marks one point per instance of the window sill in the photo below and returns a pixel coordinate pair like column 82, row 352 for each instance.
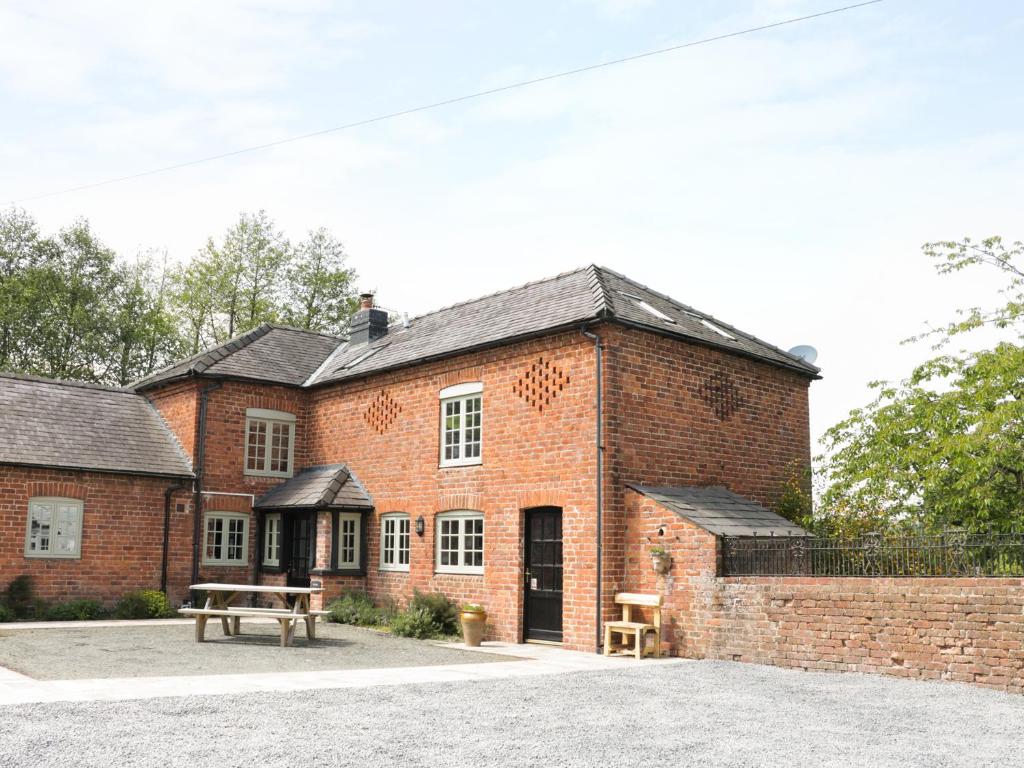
column 271, row 475
column 458, row 464
column 338, row 572
column 49, row 556
column 385, row 569
column 459, row 573
column 225, row 565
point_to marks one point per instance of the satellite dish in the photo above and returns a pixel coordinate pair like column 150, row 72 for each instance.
column 805, row 352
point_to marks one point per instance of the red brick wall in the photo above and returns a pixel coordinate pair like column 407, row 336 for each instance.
column 122, row 534
column 966, row 630
column 662, row 428
column 531, row 458
column 179, row 405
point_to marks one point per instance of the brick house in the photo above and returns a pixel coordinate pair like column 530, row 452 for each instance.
column 492, row 450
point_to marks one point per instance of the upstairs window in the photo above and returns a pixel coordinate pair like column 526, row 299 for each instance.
column 462, row 424
column 269, row 442
column 54, row 528
column 394, row 542
column 460, row 542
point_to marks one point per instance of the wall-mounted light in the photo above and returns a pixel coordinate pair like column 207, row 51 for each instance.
column 420, row 526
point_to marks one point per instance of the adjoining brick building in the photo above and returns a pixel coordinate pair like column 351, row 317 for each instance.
column 486, row 450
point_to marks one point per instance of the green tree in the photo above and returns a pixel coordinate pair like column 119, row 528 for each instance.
column 19, row 253
column 945, row 446
column 319, row 287
column 144, row 334
column 70, row 313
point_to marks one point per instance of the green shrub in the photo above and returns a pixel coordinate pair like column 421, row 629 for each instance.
column 415, row 622
column 6, row 614
column 357, row 608
column 21, row 597
column 444, row 613
column 76, row 610
column 144, row 604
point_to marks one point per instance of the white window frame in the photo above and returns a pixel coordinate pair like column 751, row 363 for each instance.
column 273, row 525
column 461, row 516
column 462, row 394
column 357, row 546
column 396, row 521
column 53, row 506
column 270, row 419
column 224, row 560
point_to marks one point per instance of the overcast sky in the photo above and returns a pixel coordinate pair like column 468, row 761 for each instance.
column 783, row 181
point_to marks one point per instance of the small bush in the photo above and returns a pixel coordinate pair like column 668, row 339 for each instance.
column 144, row 604
column 444, row 613
column 6, row 614
column 21, row 597
column 415, row 622
column 76, row 610
column 357, row 608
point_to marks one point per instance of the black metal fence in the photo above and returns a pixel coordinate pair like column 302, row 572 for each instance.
column 954, row 553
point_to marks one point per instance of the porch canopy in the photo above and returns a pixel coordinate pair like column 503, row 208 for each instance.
column 720, row 511
column 326, row 487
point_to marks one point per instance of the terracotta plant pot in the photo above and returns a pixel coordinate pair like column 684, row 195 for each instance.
column 473, row 623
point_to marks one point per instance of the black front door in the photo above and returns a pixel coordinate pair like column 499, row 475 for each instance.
column 543, row 614
column 301, row 548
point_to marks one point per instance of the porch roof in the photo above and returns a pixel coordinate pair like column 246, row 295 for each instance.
column 720, row 511
column 331, row 486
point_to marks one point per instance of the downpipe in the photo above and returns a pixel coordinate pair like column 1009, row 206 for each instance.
column 599, row 438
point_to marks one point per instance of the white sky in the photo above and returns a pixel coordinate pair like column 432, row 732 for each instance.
column 783, row 181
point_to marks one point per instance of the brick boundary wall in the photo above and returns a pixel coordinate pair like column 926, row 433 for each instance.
column 967, row 630
column 962, row 629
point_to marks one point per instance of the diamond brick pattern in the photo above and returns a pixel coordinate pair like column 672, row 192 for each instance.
column 721, row 395
column 382, row 412
column 541, row 383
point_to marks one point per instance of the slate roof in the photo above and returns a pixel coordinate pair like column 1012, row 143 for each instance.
column 272, row 353
column 573, row 298
column 720, row 511
column 282, row 355
column 331, row 486
column 81, row 426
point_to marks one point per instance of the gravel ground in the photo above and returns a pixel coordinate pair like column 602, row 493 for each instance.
column 103, row 652
column 690, row 714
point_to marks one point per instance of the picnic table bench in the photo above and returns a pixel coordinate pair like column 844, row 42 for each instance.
column 294, row 607
column 637, row 630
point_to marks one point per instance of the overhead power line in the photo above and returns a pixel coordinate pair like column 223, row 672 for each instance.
column 445, row 102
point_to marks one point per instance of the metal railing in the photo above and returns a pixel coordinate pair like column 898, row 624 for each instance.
column 953, row 553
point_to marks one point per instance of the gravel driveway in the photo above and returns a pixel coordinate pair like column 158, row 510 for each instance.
column 171, row 649
column 689, row 714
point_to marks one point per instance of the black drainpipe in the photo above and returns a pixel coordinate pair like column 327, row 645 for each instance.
column 167, row 533
column 600, row 478
column 197, row 498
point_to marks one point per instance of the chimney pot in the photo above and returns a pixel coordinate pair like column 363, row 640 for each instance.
column 366, row 301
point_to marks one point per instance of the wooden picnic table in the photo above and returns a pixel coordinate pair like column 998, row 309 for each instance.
column 219, row 597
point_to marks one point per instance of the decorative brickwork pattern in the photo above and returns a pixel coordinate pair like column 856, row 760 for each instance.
column 541, row 383
column 382, row 411
column 720, row 395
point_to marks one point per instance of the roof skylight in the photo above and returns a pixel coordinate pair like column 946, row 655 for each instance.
column 716, row 329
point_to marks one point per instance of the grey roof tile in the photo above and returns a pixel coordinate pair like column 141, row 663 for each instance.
column 586, row 294
column 68, row 424
column 271, row 353
column 330, row 486
column 720, row 511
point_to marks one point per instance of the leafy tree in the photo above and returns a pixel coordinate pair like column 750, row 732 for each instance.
column 319, row 287
column 19, row 252
column 945, row 446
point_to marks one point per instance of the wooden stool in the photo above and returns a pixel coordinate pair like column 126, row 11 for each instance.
column 637, row 631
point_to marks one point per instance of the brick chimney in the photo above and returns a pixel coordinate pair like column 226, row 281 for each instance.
column 368, row 323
